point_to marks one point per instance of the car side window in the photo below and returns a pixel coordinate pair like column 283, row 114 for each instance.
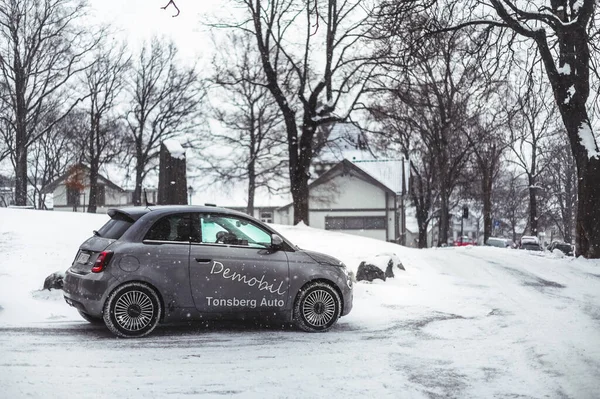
column 170, row 228
column 231, row 230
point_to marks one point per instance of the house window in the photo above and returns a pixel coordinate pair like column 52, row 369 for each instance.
column 375, row 222
column 334, row 223
column 354, row 222
column 266, row 216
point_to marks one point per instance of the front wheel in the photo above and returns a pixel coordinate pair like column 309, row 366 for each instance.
column 317, row 308
column 132, row 310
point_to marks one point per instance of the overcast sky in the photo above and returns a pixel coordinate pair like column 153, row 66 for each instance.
column 139, row 20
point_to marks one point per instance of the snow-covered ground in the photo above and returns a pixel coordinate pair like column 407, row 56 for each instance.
column 460, row 322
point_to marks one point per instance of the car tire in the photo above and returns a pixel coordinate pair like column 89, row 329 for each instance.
column 132, row 310
column 91, row 319
column 317, row 307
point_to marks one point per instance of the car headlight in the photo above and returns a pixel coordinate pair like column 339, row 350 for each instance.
column 348, row 275
column 344, row 269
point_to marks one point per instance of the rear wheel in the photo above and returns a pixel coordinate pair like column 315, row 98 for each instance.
column 132, row 310
column 317, row 308
column 91, row 319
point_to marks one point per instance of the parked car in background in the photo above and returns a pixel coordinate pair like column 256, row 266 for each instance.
column 530, row 243
column 562, row 246
column 499, row 242
column 464, row 241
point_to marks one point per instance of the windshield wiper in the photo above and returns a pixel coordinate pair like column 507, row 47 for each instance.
column 96, row 233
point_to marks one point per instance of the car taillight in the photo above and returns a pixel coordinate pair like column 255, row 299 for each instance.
column 102, row 261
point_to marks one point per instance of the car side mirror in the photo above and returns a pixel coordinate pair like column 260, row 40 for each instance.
column 276, row 241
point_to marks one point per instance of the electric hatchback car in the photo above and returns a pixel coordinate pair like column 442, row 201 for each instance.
column 181, row 263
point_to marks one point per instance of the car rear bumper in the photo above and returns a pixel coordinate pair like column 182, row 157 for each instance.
column 86, row 292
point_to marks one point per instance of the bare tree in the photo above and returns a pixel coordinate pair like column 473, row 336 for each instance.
column 531, row 124
column 398, row 133
column 165, row 102
column 562, row 32
column 490, row 145
column 560, row 180
column 309, row 36
column 42, row 47
column 510, row 201
column 103, row 83
column 253, row 123
column 53, row 152
column 439, row 85
column 422, row 191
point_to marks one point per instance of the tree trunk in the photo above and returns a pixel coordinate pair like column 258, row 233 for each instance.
column 21, row 174
column 571, row 92
column 299, row 180
column 588, row 210
column 139, row 177
column 300, row 170
column 422, row 214
column 20, row 136
column 93, row 200
column 568, row 213
column 533, row 217
column 94, row 160
column 423, row 236
column 444, row 219
column 487, row 206
column 587, row 224
column 251, row 187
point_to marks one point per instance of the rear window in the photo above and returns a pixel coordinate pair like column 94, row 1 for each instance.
column 115, row 227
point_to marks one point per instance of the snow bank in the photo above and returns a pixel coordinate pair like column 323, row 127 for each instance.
column 460, row 322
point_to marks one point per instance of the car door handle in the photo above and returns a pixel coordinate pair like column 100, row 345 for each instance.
column 202, row 260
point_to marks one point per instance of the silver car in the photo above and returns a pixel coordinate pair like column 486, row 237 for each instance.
column 178, row 263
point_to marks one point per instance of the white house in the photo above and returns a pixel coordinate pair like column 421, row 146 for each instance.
column 71, row 192
column 358, row 197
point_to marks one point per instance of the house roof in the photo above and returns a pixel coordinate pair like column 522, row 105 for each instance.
column 347, row 166
column 50, row 187
column 387, row 172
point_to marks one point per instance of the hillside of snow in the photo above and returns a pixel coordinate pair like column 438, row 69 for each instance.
column 459, row 322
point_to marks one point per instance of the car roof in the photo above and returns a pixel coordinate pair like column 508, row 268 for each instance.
column 530, row 238
column 136, row 212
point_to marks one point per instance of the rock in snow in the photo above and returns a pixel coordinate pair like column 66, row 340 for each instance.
column 54, row 281
column 373, row 268
column 389, row 271
column 369, row 272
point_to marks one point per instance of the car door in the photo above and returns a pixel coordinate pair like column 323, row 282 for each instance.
column 233, row 266
column 164, row 254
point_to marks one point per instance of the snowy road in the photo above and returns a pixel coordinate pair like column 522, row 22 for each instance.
column 460, row 322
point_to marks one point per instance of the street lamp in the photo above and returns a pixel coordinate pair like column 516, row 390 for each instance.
column 190, row 193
